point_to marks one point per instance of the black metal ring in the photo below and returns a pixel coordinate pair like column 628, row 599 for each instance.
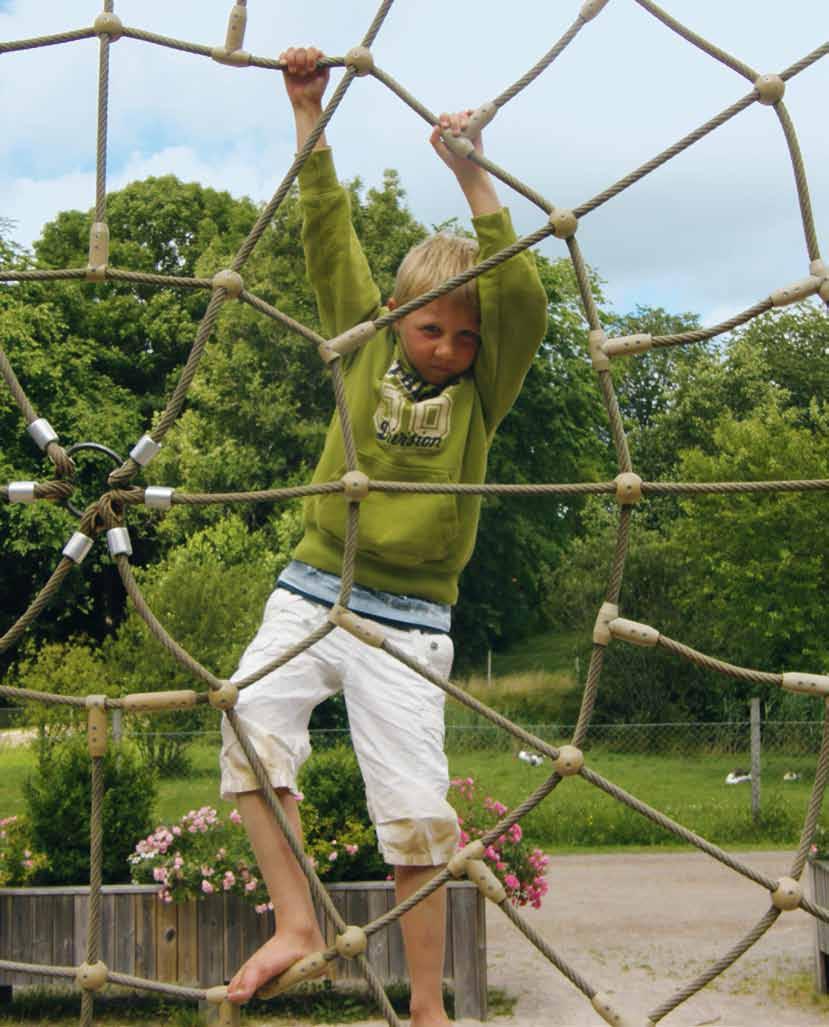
column 98, row 448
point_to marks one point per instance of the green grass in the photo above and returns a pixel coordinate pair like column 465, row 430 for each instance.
column 314, row 1004
column 690, row 789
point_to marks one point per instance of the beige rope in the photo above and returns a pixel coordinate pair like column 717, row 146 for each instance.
column 800, row 180
column 59, row 37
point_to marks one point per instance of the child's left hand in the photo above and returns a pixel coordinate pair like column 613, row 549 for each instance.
column 455, row 124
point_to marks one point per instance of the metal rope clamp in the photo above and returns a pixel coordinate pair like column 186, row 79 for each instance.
column 97, row 448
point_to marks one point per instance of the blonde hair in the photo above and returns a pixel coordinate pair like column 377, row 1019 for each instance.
column 432, row 262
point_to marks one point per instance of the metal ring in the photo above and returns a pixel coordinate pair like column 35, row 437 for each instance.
column 98, row 448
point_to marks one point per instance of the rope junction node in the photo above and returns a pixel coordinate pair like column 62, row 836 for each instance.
column 106, row 515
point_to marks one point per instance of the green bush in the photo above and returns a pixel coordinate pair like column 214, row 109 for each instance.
column 338, row 836
column 58, row 799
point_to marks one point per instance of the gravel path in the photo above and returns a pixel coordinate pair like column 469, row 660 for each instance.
column 641, row 926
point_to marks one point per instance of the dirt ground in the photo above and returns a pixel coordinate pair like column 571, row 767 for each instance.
column 641, row 926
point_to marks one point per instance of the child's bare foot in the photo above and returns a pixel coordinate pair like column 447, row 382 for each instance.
column 272, row 959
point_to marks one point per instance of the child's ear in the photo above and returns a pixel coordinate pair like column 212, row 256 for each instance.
column 392, row 303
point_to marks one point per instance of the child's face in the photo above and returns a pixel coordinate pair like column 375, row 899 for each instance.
column 441, row 339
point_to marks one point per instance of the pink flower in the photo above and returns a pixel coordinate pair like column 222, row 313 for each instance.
column 207, row 888
column 351, row 849
column 261, row 907
column 251, row 885
column 332, row 856
column 515, row 833
column 228, row 880
column 160, row 874
column 511, row 881
column 235, row 816
column 491, row 854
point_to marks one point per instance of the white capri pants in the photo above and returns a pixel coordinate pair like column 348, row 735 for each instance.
column 395, row 715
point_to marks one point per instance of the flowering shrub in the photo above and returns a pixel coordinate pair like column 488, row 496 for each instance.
column 519, row 868
column 203, row 854
column 819, row 849
column 19, row 863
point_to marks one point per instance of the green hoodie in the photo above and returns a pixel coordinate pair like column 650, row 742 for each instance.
column 405, row 429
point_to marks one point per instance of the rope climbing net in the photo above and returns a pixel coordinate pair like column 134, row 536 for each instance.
column 107, row 513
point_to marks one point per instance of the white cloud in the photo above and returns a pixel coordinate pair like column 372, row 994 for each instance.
column 716, row 228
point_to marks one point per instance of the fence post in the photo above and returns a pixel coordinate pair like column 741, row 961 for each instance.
column 489, row 666
column 755, row 758
column 116, row 724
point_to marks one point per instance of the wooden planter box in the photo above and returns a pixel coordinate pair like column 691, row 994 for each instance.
column 819, row 881
column 203, row 942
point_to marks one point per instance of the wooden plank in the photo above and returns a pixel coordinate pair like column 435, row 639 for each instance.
column 81, row 904
column 233, row 934
column 249, row 930
column 211, row 956
column 378, row 944
column 188, row 943
column 398, row 969
column 106, row 943
column 63, row 931
column 819, row 881
column 22, row 921
column 449, row 949
column 5, row 937
column 341, row 898
column 166, row 942
column 469, row 953
column 40, row 944
column 124, row 933
column 144, row 912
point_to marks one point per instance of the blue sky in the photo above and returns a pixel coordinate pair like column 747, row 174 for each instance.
column 712, row 232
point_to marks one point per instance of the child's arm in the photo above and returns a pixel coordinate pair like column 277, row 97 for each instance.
column 475, row 181
column 305, row 85
column 345, row 291
column 513, row 301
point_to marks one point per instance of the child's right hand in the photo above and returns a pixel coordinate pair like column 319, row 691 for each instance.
column 305, row 83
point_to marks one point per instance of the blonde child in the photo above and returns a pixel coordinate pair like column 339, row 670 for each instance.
column 425, row 399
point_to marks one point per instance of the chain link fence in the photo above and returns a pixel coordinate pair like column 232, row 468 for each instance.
column 789, row 737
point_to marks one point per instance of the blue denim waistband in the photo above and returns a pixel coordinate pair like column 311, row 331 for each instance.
column 390, row 607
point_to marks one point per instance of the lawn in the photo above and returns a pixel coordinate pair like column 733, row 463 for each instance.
column 577, row 815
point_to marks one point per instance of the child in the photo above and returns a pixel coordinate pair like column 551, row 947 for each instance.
column 425, row 400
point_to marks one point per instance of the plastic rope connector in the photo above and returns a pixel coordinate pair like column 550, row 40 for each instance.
column 479, row 119
column 108, row 24
column 628, row 488
column 152, row 702
column 367, row 631
column 96, row 269
column 145, row 450
column 354, row 338
column 216, row 995
column 225, row 697
column 625, row 345
column 460, row 146
column 158, row 497
column 770, row 89
column 590, row 8
column 304, row 969
column 42, row 432
column 564, row 222
column 806, row 684
column 97, row 724
column 22, row 491
column 601, row 631
column 801, row 290
column 77, row 547
column 236, row 22
column 457, row 864
column 232, row 58
column 634, row 632
column 230, row 281
column 570, row 760
column 118, row 542
column 787, row 894
column 92, row 976
column 607, row 1009
column 361, row 59
column 486, row 882
column 355, row 486
column 596, row 340
column 352, row 942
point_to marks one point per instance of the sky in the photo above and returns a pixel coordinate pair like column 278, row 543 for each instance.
column 712, row 232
